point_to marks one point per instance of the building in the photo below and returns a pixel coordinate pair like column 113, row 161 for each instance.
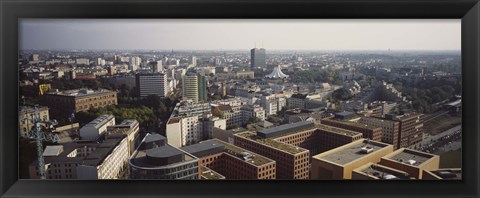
column 155, row 159
column 276, row 73
column 411, row 161
column 26, row 117
column 297, row 101
column 192, row 60
column 447, row 174
column 202, row 88
column 152, row 84
column 43, row 88
column 410, row 129
column 258, row 58
column 245, row 74
column 231, row 161
column 190, row 87
column 390, row 128
column 82, row 61
column 134, row 63
column 339, row 163
column 371, row 171
column 64, row 103
column 157, row 67
column 240, row 115
column 129, row 128
column 112, row 70
column 97, row 127
column 369, row 132
column 291, row 162
column 105, row 159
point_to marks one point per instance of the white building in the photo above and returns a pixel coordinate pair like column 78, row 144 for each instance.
column 129, row 128
column 92, row 130
column 82, row 61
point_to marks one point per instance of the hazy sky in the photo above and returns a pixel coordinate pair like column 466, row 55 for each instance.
column 240, row 34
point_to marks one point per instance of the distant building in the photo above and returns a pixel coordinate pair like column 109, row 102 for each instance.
column 155, row 159
column 410, row 129
column 190, row 87
column 369, row 132
column 64, row 103
column 245, row 74
column 82, row 61
column 151, row 84
column 339, row 163
column 26, row 116
column 258, row 58
column 202, row 88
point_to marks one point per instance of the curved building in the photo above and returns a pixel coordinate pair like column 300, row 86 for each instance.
column 155, row 159
column 277, row 73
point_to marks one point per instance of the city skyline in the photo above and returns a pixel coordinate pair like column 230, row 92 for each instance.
column 176, row 34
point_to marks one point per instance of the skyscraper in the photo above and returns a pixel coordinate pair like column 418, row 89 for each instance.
column 190, row 87
column 202, row 88
column 258, row 57
column 193, row 60
column 152, row 84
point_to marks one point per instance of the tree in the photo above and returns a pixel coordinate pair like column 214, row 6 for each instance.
column 216, row 112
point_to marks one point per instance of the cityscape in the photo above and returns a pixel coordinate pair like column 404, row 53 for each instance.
column 260, row 112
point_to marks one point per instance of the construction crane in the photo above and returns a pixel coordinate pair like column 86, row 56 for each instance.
column 39, row 136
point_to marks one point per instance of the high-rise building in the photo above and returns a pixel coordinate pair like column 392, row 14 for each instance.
column 193, row 60
column 258, row 57
column 202, row 88
column 158, row 67
column 134, row 63
column 190, row 87
column 151, row 84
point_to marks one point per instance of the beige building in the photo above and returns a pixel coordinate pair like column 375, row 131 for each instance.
column 371, row 171
column 129, row 128
column 64, row 103
column 106, row 159
column 411, row 161
column 26, row 117
column 95, row 128
column 339, row 163
column 447, row 174
column 390, row 128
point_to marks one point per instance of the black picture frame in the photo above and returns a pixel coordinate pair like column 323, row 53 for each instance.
column 11, row 11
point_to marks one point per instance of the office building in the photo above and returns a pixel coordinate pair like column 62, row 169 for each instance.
column 369, row 132
column 410, row 129
column 152, row 84
column 64, row 103
column 190, row 87
column 105, row 159
column 231, row 161
column 26, row 118
column 390, row 128
column 373, row 171
column 155, row 159
column 291, row 162
column 411, row 161
column 202, row 88
column 258, row 58
column 129, row 128
column 97, row 127
column 339, row 163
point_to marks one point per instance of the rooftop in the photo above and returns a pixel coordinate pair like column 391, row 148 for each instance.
column 246, row 155
column 210, row 174
column 99, row 121
column 103, row 150
column 78, row 92
column 273, row 143
column 351, row 123
column 352, row 151
column 382, row 172
column 410, row 157
column 337, row 130
column 284, row 129
column 455, row 173
column 204, row 148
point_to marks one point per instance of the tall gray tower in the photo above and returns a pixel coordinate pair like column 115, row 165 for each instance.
column 258, row 58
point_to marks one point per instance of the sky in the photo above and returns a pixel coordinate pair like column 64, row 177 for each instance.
column 228, row 34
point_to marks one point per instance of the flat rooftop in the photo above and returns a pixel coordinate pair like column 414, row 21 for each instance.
column 79, row 92
column 254, row 158
column 355, row 124
column 285, row 129
column 204, row 148
column 411, row 157
column 448, row 173
column 337, row 130
column 383, row 172
column 272, row 143
column 352, row 151
column 210, row 174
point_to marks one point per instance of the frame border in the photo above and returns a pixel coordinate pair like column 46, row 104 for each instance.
column 11, row 11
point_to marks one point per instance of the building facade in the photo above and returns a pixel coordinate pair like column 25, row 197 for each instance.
column 258, row 58
column 151, row 84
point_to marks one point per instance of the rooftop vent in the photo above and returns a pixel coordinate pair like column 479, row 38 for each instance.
column 411, row 162
column 366, row 149
column 390, row 177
